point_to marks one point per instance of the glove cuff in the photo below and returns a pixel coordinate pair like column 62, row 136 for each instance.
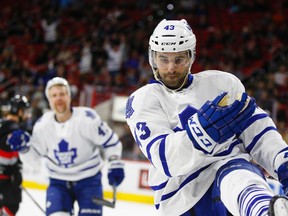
column 200, row 139
column 283, row 172
column 24, row 149
column 280, row 159
column 115, row 162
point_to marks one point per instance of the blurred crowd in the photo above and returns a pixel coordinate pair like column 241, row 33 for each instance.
column 100, row 47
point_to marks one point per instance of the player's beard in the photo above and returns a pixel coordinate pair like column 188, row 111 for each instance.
column 61, row 108
column 174, row 80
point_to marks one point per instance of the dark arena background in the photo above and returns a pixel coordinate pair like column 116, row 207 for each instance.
column 78, row 39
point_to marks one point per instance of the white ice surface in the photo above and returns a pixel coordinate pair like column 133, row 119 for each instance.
column 123, row 208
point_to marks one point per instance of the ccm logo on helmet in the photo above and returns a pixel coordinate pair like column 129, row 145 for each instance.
column 168, row 43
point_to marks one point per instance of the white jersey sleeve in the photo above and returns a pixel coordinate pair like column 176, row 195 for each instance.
column 263, row 142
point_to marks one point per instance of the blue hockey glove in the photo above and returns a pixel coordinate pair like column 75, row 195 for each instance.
column 283, row 177
column 115, row 171
column 214, row 124
column 18, row 140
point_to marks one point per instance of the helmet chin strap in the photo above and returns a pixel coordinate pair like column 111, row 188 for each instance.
column 158, row 78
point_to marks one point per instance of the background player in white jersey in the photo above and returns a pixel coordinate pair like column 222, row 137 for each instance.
column 10, row 165
column 200, row 132
column 71, row 138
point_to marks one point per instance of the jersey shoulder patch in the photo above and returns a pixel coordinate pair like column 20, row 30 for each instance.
column 141, row 99
column 85, row 113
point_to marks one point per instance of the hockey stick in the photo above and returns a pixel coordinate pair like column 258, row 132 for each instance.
column 32, row 198
column 104, row 202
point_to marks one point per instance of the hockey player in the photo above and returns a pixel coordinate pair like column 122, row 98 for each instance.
column 10, row 165
column 200, row 132
column 71, row 138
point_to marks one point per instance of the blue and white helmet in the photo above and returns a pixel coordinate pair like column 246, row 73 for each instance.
column 172, row 36
column 57, row 81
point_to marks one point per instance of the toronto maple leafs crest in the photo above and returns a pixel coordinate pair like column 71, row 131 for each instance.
column 129, row 109
column 64, row 155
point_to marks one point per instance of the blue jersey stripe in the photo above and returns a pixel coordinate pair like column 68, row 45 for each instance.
column 159, row 187
column 111, row 144
column 148, row 147
column 84, row 169
column 257, row 137
column 108, row 139
column 185, row 182
column 163, row 157
column 255, row 118
column 230, row 149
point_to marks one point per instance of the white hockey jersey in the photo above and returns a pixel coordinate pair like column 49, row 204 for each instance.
column 72, row 148
column 179, row 173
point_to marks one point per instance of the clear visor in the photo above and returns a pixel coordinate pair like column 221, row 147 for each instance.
column 163, row 59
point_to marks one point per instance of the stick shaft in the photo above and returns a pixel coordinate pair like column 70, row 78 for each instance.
column 104, row 202
column 32, row 198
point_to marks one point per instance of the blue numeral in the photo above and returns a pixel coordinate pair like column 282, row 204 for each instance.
column 145, row 131
column 169, row 27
